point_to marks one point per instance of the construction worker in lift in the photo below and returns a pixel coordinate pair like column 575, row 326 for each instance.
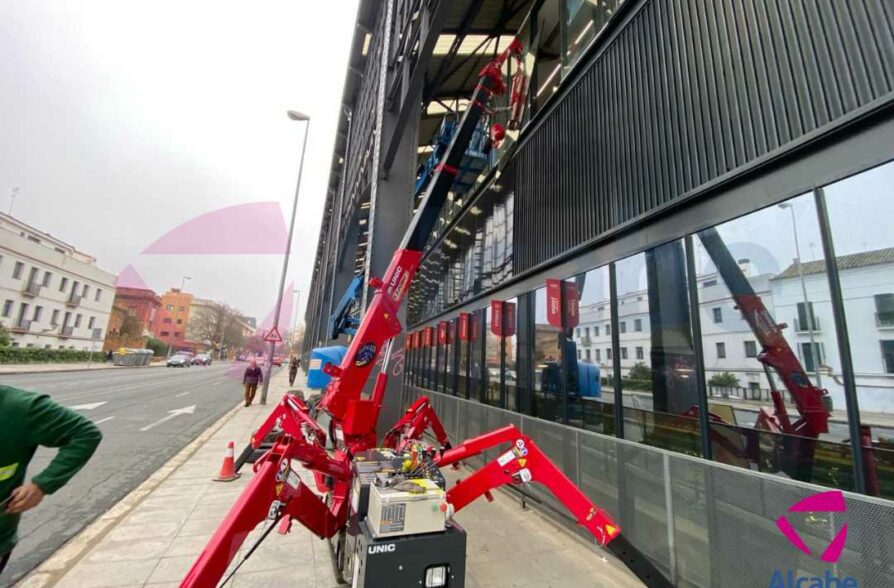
column 27, row 421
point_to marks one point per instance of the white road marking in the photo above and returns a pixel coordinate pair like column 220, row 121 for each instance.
column 171, row 414
column 100, row 421
column 89, row 406
column 181, row 394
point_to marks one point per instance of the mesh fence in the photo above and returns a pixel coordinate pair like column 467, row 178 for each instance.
column 704, row 524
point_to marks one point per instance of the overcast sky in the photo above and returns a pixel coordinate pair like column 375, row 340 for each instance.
column 122, row 119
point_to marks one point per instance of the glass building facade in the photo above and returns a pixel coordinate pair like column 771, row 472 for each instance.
column 662, row 335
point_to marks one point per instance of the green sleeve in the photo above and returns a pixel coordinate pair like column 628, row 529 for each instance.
column 52, row 425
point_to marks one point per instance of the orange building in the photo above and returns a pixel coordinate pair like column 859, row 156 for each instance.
column 172, row 318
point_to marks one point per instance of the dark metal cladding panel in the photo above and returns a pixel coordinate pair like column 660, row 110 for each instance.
column 685, row 92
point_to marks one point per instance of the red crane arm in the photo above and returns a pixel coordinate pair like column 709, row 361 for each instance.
column 411, row 426
column 380, row 323
column 776, row 353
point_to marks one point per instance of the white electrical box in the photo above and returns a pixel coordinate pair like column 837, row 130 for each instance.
column 394, row 512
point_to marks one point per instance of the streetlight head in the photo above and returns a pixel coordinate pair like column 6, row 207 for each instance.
column 295, row 115
column 784, row 205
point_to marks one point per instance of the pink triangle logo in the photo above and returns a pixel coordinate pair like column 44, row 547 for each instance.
column 831, row 501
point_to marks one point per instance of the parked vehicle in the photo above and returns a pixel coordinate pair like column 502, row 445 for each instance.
column 201, row 359
column 277, row 361
column 179, row 361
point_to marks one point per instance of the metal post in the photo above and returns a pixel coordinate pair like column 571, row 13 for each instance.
column 285, row 262
column 698, row 349
column 844, row 345
column 618, row 407
column 808, row 311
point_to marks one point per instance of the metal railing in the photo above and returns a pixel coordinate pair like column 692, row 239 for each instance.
column 702, row 523
column 67, row 331
column 74, row 300
column 22, row 326
column 31, row 289
column 96, row 333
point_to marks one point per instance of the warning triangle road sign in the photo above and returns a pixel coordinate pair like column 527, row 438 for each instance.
column 273, row 336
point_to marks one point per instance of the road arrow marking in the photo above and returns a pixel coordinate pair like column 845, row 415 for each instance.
column 171, row 414
column 89, row 406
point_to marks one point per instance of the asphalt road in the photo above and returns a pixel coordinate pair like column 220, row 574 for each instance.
column 128, row 405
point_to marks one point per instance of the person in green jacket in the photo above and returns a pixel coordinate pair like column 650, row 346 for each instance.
column 27, row 421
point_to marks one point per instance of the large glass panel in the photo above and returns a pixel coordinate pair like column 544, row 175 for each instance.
column 462, row 344
column 591, row 397
column 548, row 57
column 764, row 301
column 547, row 360
column 450, row 358
column 492, row 361
column 477, row 372
column 859, row 211
column 654, row 324
column 510, row 356
column 584, row 19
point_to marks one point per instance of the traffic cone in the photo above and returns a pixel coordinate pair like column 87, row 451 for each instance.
column 228, row 469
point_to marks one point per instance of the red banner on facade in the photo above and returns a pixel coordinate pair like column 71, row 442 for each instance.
column 572, row 305
column 429, row 332
column 554, row 315
column 554, row 303
column 508, row 319
column 408, row 341
column 451, row 332
column 496, row 317
column 464, row 331
column 442, row 333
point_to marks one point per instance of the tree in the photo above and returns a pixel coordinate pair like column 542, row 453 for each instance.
column 4, row 336
column 640, row 371
column 131, row 328
column 724, row 380
column 217, row 324
column 158, row 347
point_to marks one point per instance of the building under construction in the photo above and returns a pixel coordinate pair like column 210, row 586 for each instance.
column 665, row 258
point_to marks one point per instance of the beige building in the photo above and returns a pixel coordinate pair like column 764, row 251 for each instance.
column 51, row 295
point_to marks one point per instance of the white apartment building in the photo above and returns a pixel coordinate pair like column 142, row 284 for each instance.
column 51, row 295
column 867, row 284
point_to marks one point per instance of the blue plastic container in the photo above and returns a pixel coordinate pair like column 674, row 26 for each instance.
column 317, row 379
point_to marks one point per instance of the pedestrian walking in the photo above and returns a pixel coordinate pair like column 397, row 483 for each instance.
column 293, row 369
column 250, row 379
column 28, row 421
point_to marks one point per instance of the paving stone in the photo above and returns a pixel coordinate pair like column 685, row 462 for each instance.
column 171, row 569
column 108, row 574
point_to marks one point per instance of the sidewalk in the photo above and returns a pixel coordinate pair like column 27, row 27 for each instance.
column 40, row 368
column 153, row 536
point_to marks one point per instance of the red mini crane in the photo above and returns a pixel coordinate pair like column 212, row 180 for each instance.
column 276, row 491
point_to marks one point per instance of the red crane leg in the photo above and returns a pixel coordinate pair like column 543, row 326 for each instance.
column 249, row 510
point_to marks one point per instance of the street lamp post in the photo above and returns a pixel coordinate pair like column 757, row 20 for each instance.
column 295, row 320
column 296, row 116
column 182, row 284
column 808, row 312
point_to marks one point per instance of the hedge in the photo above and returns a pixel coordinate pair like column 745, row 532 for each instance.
column 37, row 355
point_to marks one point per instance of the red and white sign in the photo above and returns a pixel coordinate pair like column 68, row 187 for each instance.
column 508, row 319
column 572, row 305
column 554, row 315
column 554, row 303
column 273, row 336
column 496, row 317
column 502, row 322
column 464, row 330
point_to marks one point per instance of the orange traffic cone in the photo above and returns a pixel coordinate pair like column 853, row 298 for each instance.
column 228, row 469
